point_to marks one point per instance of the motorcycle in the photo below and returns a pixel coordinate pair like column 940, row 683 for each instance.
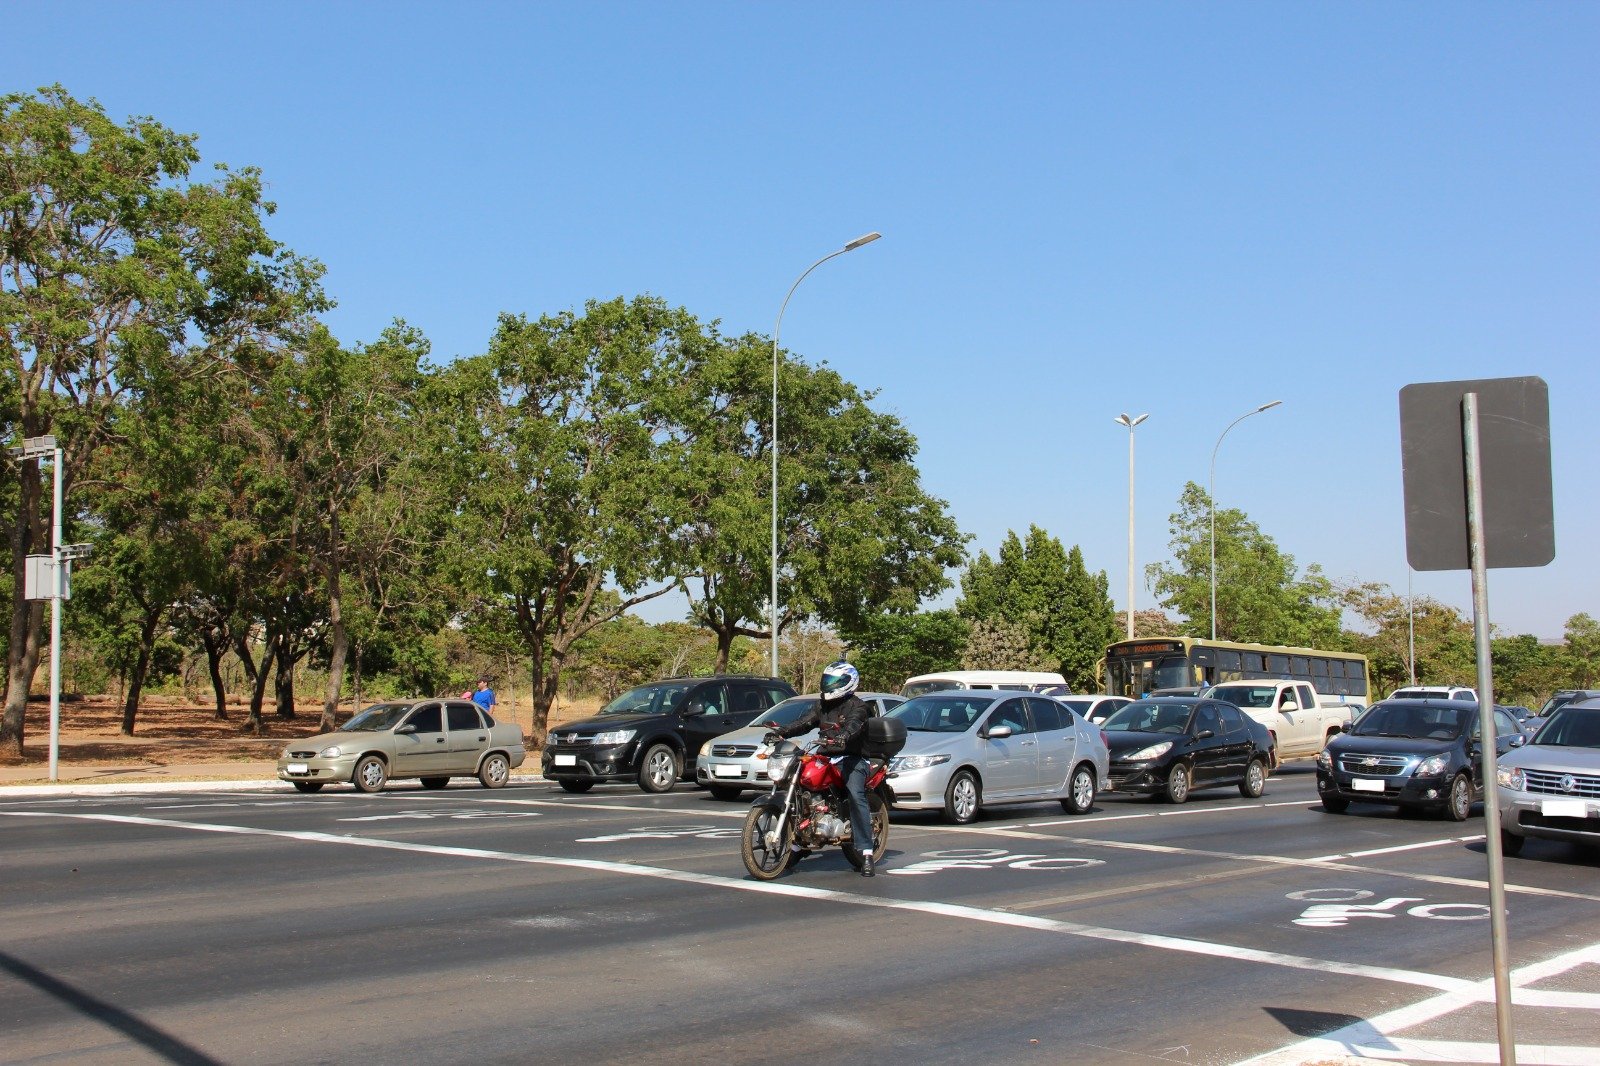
column 807, row 810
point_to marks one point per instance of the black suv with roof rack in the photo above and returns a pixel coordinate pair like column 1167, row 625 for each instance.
column 652, row 734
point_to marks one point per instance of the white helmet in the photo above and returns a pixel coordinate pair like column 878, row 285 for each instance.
column 839, row 680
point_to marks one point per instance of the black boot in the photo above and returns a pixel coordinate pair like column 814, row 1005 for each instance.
column 866, row 864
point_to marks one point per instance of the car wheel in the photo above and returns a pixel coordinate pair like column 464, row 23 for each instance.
column 1335, row 804
column 1080, row 791
column 1255, row 779
column 495, row 771
column 1511, row 843
column 658, row 770
column 577, row 786
column 724, row 793
column 880, row 831
column 765, row 860
column 307, row 786
column 1459, row 804
column 962, row 798
column 370, row 774
column 1177, row 783
column 435, row 782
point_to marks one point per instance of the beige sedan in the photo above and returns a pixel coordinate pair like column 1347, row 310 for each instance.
column 434, row 740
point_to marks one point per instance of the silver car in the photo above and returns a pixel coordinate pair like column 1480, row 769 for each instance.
column 434, row 740
column 1550, row 787
column 729, row 764
column 967, row 749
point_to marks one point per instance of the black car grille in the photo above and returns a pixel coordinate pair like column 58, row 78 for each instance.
column 1373, row 765
column 733, row 751
column 304, row 754
column 570, row 739
column 1555, row 784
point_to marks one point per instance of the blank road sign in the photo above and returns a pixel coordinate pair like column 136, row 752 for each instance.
column 1514, row 448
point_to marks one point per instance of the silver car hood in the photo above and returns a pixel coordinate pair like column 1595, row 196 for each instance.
column 1553, row 757
column 927, row 742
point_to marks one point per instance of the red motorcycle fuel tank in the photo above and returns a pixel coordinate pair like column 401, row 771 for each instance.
column 820, row 773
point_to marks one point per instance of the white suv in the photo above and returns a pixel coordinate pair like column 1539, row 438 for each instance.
column 1434, row 692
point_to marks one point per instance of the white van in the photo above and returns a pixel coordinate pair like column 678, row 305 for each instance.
column 1016, row 680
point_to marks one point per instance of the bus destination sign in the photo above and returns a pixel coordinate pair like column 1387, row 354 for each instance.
column 1150, row 647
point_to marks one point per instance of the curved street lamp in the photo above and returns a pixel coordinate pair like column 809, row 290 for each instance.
column 852, row 246
column 1125, row 419
column 1212, row 490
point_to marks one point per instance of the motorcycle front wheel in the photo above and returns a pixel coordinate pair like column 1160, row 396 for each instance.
column 880, row 832
column 765, row 863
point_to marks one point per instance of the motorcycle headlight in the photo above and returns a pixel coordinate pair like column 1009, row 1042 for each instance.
column 333, row 752
column 1154, row 751
column 1432, row 766
column 1512, row 778
column 614, row 736
column 778, row 767
column 1324, row 760
column 917, row 762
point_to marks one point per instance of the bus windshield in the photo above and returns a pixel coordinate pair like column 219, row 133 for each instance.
column 1134, row 677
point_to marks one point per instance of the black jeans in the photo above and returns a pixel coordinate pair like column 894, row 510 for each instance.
column 855, row 769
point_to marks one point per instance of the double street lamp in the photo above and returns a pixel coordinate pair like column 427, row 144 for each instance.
column 852, row 246
column 1130, row 421
column 1212, row 490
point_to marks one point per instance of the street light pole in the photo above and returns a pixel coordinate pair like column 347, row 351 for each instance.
column 1212, row 490
column 1125, row 419
column 852, row 246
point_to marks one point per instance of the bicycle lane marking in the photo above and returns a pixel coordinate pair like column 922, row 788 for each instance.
column 1441, row 982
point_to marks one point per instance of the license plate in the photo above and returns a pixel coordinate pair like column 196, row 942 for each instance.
column 1366, row 784
column 724, row 770
column 297, row 768
column 1561, row 808
column 566, row 760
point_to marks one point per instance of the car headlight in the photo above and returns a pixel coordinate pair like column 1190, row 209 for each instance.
column 1324, row 760
column 1512, row 778
column 614, row 736
column 1432, row 766
column 333, row 752
column 1154, row 751
column 917, row 762
column 705, row 749
column 778, row 767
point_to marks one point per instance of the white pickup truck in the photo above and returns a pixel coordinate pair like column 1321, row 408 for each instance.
column 1299, row 722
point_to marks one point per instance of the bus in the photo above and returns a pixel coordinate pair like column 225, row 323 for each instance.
column 1137, row 667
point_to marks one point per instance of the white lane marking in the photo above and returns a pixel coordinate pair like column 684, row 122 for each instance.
column 1398, row 847
column 1098, row 818
column 1375, row 1037
column 949, row 910
column 1404, row 1049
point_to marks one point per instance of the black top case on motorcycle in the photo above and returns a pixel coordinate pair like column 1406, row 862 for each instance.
column 884, row 737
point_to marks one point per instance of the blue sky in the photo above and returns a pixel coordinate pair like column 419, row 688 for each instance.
column 1180, row 209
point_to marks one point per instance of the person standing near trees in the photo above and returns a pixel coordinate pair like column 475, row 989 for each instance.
column 484, row 697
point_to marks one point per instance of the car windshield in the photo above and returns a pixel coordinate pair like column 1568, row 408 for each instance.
column 1168, row 716
column 1245, row 695
column 1555, row 701
column 1571, row 727
column 1081, row 706
column 1431, row 721
column 377, row 718
column 790, row 710
column 941, row 714
column 647, row 699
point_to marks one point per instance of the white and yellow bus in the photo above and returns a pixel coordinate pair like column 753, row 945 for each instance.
column 1135, row 668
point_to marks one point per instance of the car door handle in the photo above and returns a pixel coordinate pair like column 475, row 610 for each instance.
column 1027, row 743
column 439, row 741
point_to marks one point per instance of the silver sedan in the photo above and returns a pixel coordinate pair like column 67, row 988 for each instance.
column 968, row 749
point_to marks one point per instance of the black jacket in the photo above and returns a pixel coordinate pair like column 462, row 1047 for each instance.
column 841, row 725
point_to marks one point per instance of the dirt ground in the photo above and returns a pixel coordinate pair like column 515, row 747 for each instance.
column 170, row 730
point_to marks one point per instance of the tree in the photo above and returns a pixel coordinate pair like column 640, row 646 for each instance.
column 1582, row 651
column 1000, row 644
column 1036, row 584
column 1261, row 595
column 1445, row 652
column 110, row 262
column 857, row 534
column 888, row 648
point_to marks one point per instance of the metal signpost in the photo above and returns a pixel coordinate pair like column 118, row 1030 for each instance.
column 1478, row 494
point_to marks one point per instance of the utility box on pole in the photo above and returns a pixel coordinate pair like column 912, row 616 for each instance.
column 40, row 578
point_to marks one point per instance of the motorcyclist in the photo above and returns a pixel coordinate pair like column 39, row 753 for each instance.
column 840, row 720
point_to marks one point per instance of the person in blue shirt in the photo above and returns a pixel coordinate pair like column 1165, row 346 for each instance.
column 484, row 697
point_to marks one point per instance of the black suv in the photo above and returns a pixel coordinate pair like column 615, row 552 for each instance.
column 651, row 734
column 1411, row 754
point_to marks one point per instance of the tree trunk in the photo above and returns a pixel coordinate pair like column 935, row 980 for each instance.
column 216, row 645
column 141, row 667
column 283, row 679
column 27, row 616
column 258, row 690
column 330, row 699
column 724, row 647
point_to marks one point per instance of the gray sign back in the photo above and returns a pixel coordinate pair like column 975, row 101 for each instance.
column 1514, row 447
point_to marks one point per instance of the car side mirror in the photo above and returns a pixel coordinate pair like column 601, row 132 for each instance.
column 1290, row 705
column 1205, row 734
column 997, row 732
column 1518, row 740
column 694, row 710
column 1344, row 727
column 407, row 728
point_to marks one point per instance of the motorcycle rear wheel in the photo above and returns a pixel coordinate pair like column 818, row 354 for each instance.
column 880, row 832
column 762, row 862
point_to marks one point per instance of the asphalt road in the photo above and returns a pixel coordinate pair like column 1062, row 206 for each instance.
column 529, row 925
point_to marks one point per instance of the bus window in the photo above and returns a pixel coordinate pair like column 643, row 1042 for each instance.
column 1319, row 669
column 1229, row 667
column 1278, row 664
column 1300, row 667
column 1254, row 664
